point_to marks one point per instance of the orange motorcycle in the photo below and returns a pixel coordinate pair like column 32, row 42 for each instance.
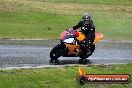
column 69, row 47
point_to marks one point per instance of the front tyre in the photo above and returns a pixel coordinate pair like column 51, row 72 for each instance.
column 55, row 53
column 54, row 61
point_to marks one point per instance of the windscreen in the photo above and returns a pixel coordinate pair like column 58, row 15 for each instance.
column 67, row 34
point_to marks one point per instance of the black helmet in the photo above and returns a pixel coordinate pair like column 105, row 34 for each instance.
column 86, row 18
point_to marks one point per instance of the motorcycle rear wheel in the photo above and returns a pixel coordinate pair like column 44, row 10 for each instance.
column 83, row 61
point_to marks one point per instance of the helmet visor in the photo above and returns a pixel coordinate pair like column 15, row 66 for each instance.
column 87, row 22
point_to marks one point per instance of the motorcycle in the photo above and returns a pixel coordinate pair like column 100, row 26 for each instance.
column 69, row 46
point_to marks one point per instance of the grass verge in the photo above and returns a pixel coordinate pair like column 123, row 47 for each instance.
column 64, row 77
column 47, row 19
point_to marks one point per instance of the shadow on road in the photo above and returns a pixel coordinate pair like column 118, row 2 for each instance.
column 64, row 62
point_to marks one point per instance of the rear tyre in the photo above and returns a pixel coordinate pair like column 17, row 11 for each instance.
column 92, row 48
column 83, row 61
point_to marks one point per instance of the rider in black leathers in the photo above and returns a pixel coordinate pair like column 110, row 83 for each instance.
column 88, row 29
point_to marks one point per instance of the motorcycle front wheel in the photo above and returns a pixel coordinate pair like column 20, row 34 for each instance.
column 55, row 53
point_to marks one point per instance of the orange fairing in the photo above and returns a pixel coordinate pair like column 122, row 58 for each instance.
column 72, row 48
column 98, row 37
column 81, row 36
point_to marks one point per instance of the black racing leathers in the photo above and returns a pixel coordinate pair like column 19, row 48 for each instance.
column 89, row 32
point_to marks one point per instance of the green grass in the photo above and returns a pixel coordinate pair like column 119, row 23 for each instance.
column 48, row 18
column 116, row 2
column 30, row 25
column 64, row 77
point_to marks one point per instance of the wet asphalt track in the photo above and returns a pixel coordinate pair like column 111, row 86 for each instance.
column 32, row 53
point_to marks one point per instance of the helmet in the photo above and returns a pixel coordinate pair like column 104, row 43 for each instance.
column 86, row 18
